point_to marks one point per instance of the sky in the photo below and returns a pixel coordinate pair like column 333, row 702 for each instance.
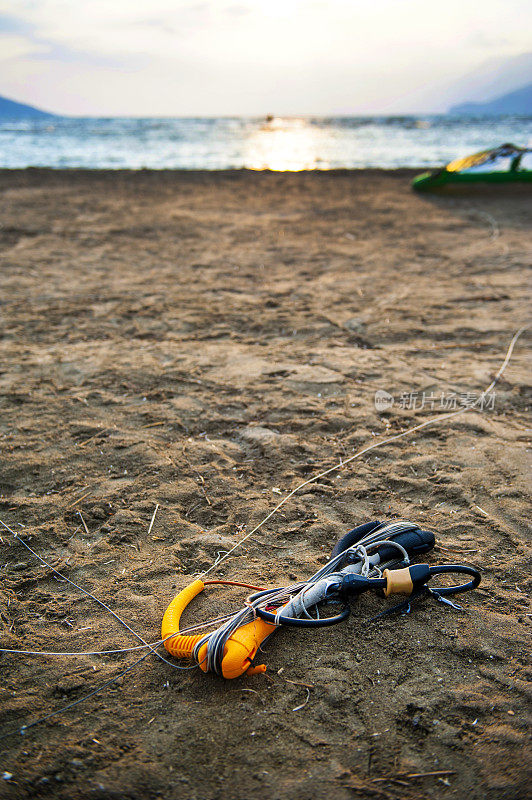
column 250, row 57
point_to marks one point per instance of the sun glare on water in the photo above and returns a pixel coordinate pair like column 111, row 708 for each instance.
column 284, row 145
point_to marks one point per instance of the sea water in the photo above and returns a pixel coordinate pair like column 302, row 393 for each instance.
column 276, row 143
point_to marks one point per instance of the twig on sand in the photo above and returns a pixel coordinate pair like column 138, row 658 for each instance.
column 94, row 436
column 436, row 773
column 411, row 775
column 299, row 683
column 298, row 708
column 153, row 518
column 482, row 510
column 202, row 483
column 83, row 523
column 254, row 691
column 83, row 496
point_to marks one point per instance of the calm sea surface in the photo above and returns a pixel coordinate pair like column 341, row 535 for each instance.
column 281, row 143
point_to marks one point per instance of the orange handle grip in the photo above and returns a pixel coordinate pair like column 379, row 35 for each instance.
column 180, row 646
column 239, row 650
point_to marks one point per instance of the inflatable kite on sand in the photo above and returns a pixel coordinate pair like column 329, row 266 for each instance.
column 504, row 164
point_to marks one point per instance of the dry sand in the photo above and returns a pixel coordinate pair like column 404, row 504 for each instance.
column 204, row 341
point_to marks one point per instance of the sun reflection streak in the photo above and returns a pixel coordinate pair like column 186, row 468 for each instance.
column 284, row 145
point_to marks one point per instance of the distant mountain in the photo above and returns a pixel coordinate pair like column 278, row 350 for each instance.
column 518, row 102
column 492, row 79
column 9, row 109
column 489, row 80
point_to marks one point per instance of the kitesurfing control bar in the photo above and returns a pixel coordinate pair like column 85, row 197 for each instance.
column 364, row 559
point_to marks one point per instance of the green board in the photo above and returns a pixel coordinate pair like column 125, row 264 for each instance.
column 433, row 180
column 502, row 165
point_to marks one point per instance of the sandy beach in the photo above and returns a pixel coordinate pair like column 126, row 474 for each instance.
column 204, row 342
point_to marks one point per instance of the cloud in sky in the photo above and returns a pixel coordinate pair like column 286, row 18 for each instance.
column 180, row 57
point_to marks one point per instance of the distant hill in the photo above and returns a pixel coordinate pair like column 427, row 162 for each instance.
column 518, row 102
column 9, row 109
column 489, row 80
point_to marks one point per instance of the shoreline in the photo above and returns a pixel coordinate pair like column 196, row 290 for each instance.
column 229, row 171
